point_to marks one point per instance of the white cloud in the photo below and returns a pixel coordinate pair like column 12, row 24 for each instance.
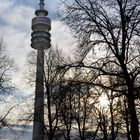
column 62, row 37
column 20, row 17
column 16, row 29
column 5, row 5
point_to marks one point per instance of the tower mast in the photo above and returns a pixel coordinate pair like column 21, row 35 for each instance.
column 41, row 25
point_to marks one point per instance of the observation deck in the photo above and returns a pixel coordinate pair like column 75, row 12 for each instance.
column 41, row 21
column 37, row 13
column 41, row 26
column 41, row 43
column 40, row 40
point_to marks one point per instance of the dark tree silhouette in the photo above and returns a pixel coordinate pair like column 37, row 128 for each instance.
column 111, row 29
column 53, row 82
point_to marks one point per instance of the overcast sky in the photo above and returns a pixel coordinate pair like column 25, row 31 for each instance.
column 15, row 29
column 15, row 26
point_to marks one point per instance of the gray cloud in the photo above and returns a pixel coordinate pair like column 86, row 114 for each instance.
column 15, row 27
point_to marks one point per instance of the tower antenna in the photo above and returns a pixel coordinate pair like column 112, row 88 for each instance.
column 41, row 4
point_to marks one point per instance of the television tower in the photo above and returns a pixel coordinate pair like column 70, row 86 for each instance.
column 41, row 25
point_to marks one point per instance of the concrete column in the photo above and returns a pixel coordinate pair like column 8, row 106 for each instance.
column 38, row 123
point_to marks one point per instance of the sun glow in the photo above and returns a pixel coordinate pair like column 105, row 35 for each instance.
column 103, row 101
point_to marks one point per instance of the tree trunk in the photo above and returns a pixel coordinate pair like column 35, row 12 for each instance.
column 127, row 119
column 134, row 123
column 79, row 128
column 68, row 134
column 134, row 120
column 112, row 121
column 105, row 129
column 49, row 114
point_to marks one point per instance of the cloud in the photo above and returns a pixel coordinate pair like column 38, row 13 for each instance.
column 15, row 29
column 5, row 5
column 62, row 37
column 19, row 17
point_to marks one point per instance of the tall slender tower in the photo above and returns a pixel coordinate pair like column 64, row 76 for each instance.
column 41, row 25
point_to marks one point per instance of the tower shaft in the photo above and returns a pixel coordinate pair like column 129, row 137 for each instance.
column 38, row 123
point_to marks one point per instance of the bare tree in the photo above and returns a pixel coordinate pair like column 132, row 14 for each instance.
column 53, row 80
column 78, row 104
column 6, row 86
column 6, row 66
column 113, row 28
column 66, row 109
column 83, row 104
